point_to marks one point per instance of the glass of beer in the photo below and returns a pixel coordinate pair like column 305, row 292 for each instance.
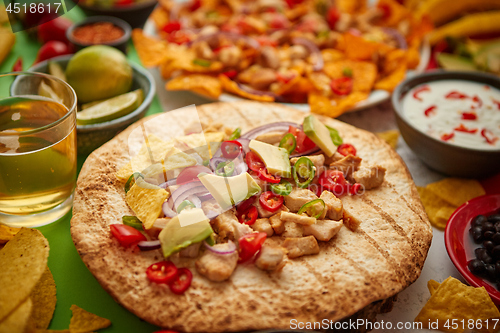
column 37, row 148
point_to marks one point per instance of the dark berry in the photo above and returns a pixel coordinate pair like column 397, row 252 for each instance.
column 496, row 238
column 496, row 251
column 497, row 270
column 488, row 245
column 497, row 226
column 488, row 226
column 477, row 235
column 476, row 266
column 494, row 218
column 478, row 220
column 488, row 235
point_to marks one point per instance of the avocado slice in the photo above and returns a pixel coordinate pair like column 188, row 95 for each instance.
column 275, row 158
column 319, row 134
column 453, row 62
column 189, row 227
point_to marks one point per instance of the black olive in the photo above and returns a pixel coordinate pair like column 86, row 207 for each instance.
column 496, row 251
column 479, row 220
column 490, row 272
column 488, row 235
column 496, row 238
column 477, row 235
column 488, row 226
column 476, row 266
column 494, row 218
column 488, row 245
column 497, row 226
column 482, row 254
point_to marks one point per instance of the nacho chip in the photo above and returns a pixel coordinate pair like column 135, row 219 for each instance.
column 453, row 300
column 397, row 12
column 7, row 233
column 151, row 51
column 18, row 321
column 199, row 142
column 202, row 84
column 390, row 81
column 357, row 48
column 364, row 73
column 233, row 88
column 334, row 107
column 44, row 300
column 22, row 262
column 433, row 285
column 83, row 321
column 433, row 204
column 456, row 191
column 330, row 55
column 146, row 201
column 391, row 137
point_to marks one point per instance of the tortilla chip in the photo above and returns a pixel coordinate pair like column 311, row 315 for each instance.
column 233, row 88
column 364, row 73
column 44, row 300
column 433, row 285
column 83, row 321
column 334, row 107
column 146, row 202
column 160, row 17
column 202, row 84
column 205, row 144
column 22, row 262
column 151, row 51
column 351, row 6
column 454, row 301
column 390, row 81
column 296, row 91
column 18, row 321
column 330, row 55
column 357, row 48
column 433, row 204
column 391, row 137
column 7, row 233
column 397, row 12
column 456, row 191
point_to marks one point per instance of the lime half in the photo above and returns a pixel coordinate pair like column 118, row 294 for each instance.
column 110, row 109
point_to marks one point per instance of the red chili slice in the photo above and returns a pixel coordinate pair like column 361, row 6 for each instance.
column 477, row 100
column 182, row 282
column 341, row 86
column 456, row 95
column 446, row 137
column 126, row 235
column 231, row 149
column 346, row 149
column 462, row 128
column 245, row 205
column 248, row 216
column 489, row 136
column 171, row 27
column 162, row 272
column 265, row 175
column 469, row 116
column 430, row 110
column 271, row 201
column 254, row 162
column 250, row 244
column 355, row 188
column 417, row 92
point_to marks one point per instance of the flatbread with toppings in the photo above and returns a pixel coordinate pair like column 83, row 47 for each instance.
column 318, row 231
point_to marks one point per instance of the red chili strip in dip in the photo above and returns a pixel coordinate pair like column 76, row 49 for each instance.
column 488, row 136
column 462, row 128
column 497, row 103
column 430, row 110
column 456, row 95
column 469, row 116
column 477, row 100
column 446, row 137
column 420, row 90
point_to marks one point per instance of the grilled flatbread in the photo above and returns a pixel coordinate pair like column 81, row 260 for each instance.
column 384, row 256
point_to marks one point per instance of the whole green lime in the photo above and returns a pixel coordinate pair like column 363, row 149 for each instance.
column 99, row 72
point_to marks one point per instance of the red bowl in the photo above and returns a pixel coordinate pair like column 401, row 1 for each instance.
column 459, row 243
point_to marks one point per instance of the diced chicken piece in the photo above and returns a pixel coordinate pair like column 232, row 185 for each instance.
column 191, row 251
column 334, row 158
column 296, row 218
column 370, row 177
column 318, row 161
column 264, row 213
column 277, row 224
column 299, row 197
column 270, row 137
column 209, row 206
column 270, row 257
column 292, row 229
column 347, row 165
column 263, row 225
column 302, row 246
column 223, row 225
column 334, row 210
column 157, row 226
column 323, row 230
column 350, row 221
column 217, row 267
column 241, row 229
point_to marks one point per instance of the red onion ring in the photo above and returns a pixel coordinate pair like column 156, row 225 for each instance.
column 149, row 245
column 244, row 144
column 281, row 126
column 195, row 200
column 231, row 248
column 397, row 36
column 167, row 208
column 313, row 50
column 256, row 92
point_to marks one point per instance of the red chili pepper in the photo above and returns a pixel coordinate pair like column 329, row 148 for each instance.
column 346, row 149
column 18, row 65
column 171, row 27
column 446, row 137
column 162, row 272
column 231, row 149
column 332, row 17
column 341, row 86
column 464, row 129
column 182, row 282
column 231, row 73
column 497, row 103
column 265, row 175
column 469, row 116
column 477, row 100
column 245, row 205
column 456, row 95
column 126, row 235
column 420, row 90
column 248, row 216
column 430, row 110
column 355, row 188
column 254, row 162
column 489, row 136
column 250, row 244
column 271, row 201
column 195, row 5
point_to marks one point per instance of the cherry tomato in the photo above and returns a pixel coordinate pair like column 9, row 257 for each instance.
column 346, row 149
column 18, row 65
column 341, row 86
column 334, row 181
column 265, row 175
column 191, row 173
column 332, row 17
column 126, row 235
column 248, row 216
column 171, row 27
column 182, row 281
column 162, row 272
column 231, row 149
column 254, row 162
column 303, row 142
column 270, row 201
column 52, row 49
column 250, row 244
column 53, row 29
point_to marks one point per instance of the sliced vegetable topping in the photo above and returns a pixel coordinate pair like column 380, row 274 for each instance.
column 271, row 201
column 231, row 149
column 132, row 221
column 265, row 175
column 303, row 142
column 248, row 216
column 283, row 188
column 417, row 92
column 314, row 208
column 236, row 133
column 182, row 281
column 346, row 149
column 250, row 244
column 334, row 181
column 288, row 142
column 191, row 173
column 202, row 62
column 225, row 169
column 341, row 86
column 131, row 180
column 254, row 162
column 185, row 204
column 126, row 235
column 303, row 172
column 334, row 134
column 162, row 272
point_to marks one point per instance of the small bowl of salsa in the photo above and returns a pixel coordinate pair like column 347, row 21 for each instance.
column 100, row 30
column 451, row 120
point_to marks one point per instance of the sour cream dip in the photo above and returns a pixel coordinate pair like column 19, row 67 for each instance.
column 459, row 112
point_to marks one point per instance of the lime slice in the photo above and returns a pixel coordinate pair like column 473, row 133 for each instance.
column 110, row 109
